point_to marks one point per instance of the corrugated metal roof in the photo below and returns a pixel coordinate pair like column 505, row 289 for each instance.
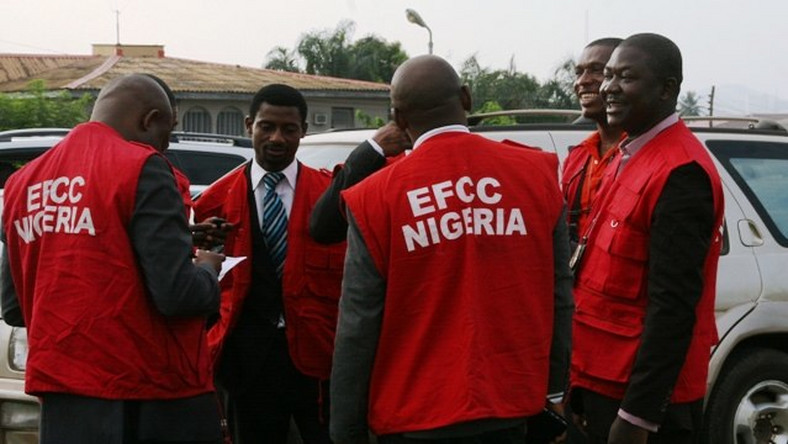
column 93, row 72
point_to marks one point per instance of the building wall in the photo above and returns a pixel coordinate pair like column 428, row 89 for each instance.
column 323, row 112
column 321, row 117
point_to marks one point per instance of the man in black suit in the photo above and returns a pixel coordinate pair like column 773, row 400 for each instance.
column 274, row 340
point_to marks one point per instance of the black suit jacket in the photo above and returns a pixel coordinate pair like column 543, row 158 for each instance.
column 327, row 223
column 247, row 345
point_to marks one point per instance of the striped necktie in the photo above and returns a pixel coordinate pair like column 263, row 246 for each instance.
column 274, row 222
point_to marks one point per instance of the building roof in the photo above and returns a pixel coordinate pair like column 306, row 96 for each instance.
column 92, row 72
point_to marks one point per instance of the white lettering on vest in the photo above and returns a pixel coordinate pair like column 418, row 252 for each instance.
column 63, row 217
column 430, row 229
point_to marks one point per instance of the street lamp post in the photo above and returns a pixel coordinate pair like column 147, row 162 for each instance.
column 414, row 17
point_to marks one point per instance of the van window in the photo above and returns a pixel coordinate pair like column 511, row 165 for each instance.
column 203, row 168
column 761, row 171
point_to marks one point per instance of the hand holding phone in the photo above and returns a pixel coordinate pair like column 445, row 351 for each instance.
column 210, row 233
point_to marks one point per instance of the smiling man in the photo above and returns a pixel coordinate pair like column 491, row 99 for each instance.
column 275, row 337
column 583, row 168
column 644, row 323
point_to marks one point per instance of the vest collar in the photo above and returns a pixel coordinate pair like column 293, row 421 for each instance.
column 440, row 130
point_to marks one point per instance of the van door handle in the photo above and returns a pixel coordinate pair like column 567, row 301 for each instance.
column 749, row 234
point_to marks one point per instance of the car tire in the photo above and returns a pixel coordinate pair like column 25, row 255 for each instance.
column 749, row 404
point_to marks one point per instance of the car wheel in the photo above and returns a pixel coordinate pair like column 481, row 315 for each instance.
column 749, row 405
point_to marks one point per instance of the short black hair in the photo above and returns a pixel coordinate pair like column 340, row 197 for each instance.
column 278, row 94
column 611, row 42
column 664, row 56
column 165, row 87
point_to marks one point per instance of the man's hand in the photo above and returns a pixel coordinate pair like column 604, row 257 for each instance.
column 210, row 233
column 623, row 432
column 392, row 139
column 559, row 410
column 209, row 257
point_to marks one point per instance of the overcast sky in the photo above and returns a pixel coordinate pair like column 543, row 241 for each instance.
column 739, row 46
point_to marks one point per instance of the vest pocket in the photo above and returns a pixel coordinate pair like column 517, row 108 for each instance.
column 312, row 336
column 620, row 268
column 608, row 348
column 324, row 258
column 323, row 272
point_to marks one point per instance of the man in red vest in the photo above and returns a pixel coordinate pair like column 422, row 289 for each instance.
column 586, row 162
column 98, row 252
column 274, row 340
column 644, row 320
column 456, row 282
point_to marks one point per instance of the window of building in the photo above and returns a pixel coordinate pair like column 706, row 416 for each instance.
column 230, row 122
column 343, row 118
column 197, row 120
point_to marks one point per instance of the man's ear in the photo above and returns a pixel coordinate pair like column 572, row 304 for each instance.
column 670, row 89
column 150, row 118
column 465, row 98
column 304, row 127
column 248, row 122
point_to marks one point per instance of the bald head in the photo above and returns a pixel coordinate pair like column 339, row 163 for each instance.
column 137, row 108
column 427, row 93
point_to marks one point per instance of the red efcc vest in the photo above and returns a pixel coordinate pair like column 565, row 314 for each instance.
column 462, row 232
column 577, row 171
column 312, row 277
column 573, row 168
column 92, row 328
column 611, row 287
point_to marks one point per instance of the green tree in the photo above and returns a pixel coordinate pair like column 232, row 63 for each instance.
column 282, row 59
column 507, row 87
column 511, row 89
column 553, row 95
column 490, row 107
column 368, row 121
column 375, row 59
column 689, row 105
column 38, row 108
column 560, row 90
column 333, row 53
column 327, row 53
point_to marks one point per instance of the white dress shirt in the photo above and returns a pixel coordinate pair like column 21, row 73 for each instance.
column 285, row 188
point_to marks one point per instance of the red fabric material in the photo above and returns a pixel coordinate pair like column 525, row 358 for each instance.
column 312, row 276
column 92, row 329
column 184, row 187
column 611, row 288
column 584, row 165
column 446, row 354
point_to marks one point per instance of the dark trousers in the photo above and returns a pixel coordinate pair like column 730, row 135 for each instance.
column 681, row 425
column 260, row 412
column 70, row 419
column 513, row 435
